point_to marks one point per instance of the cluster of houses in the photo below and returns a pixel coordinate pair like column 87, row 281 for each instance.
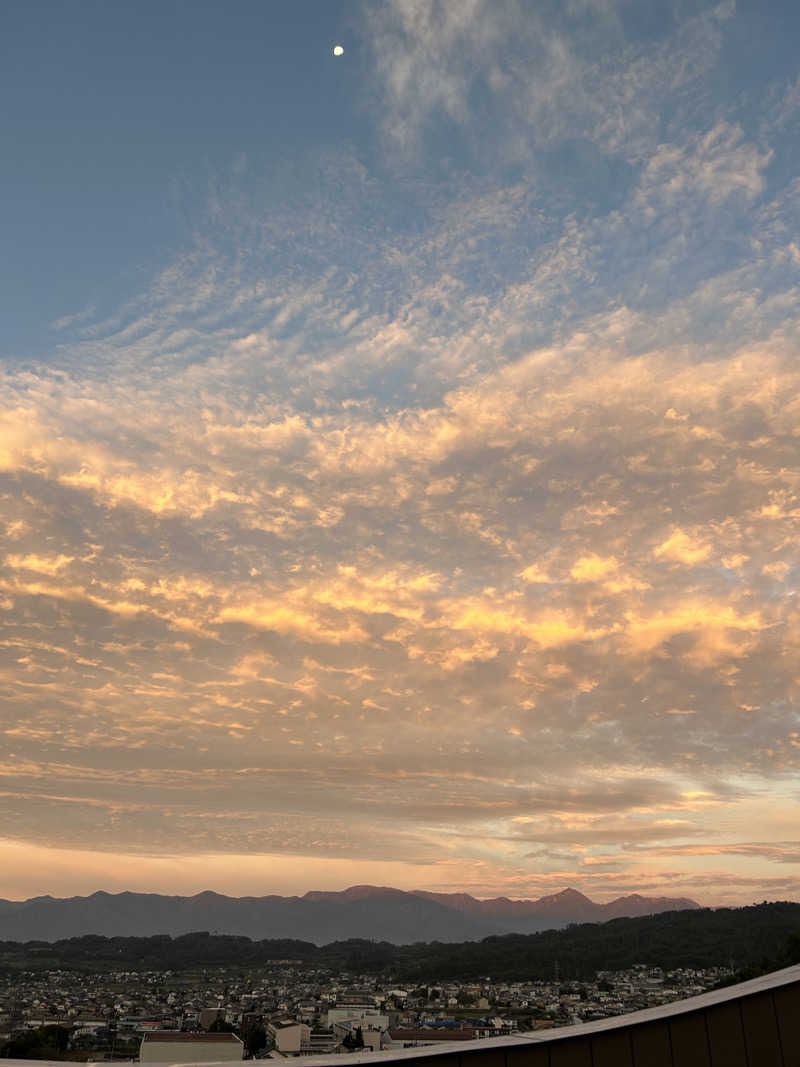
column 286, row 1011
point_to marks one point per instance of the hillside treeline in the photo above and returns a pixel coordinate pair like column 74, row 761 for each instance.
column 763, row 935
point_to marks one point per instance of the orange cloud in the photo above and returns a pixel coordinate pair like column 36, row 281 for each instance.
column 593, row 568
column 713, row 623
column 284, row 618
column 679, row 547
column 49, row 565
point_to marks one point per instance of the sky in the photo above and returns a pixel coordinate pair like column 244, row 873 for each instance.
column 400, row 450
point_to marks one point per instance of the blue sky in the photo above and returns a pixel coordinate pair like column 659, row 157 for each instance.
column 399, row 451
column 119, row 120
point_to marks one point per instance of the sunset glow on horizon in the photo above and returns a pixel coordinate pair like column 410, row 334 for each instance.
column 400, row 458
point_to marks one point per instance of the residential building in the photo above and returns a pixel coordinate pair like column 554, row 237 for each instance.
column 289, row 1036
column 175, row 1046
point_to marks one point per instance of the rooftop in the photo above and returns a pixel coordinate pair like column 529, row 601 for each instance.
column 178, row 1036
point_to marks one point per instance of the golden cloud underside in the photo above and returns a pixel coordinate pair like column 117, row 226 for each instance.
column 406, row 568
column 269, row 610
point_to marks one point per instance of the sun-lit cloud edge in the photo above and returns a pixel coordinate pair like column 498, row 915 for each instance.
column 525, row 558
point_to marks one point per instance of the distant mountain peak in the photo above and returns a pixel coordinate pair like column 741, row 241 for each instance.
column 379, row 913
column 354, row 892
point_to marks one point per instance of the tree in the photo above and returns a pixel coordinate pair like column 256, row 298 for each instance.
column 219, row 1026
column 353, row 1039
column 256, row 1039
column 790, row 953
column 36, row 1044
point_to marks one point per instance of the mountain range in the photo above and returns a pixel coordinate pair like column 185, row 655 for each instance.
column 372, row 912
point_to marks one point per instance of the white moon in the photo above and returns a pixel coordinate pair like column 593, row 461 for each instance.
column 338, row 50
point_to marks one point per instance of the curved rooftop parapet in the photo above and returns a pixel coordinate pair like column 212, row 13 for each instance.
column 753, row 1024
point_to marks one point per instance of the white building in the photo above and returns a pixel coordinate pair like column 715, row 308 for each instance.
column 361, row 1015
column 373, row 1039
column 289, row 1036
column 175, row 1046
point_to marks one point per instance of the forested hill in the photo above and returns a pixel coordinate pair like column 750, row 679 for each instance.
column 703, row 938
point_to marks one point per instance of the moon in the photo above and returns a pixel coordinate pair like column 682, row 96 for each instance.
column 338, row 50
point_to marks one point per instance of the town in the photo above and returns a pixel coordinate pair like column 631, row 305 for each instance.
column 287, row 1009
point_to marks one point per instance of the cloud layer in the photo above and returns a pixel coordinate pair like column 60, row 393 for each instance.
column 435, row 520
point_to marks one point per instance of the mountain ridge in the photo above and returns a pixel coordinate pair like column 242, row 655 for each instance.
column 379, row 913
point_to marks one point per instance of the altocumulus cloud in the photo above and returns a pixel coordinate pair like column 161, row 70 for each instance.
column 468, row 546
